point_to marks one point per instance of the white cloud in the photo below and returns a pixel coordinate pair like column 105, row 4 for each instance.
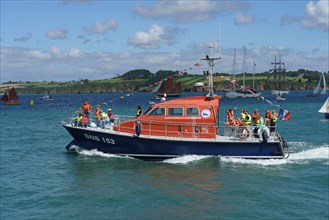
column 101, row 28
column 316, row 17
column 56, row 52
column 187, row 11
column 57, row 34
column 21, row 64
column 241, row 19
column 318, row 12
column 38, row 54
column 74, row 52
column 150, row 39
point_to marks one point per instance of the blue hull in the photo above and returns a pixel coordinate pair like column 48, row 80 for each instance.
column 153, row 148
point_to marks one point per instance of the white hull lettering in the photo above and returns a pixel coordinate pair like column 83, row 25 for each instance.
column 96, row 138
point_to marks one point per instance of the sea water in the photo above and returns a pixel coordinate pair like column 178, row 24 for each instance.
column 41, row 180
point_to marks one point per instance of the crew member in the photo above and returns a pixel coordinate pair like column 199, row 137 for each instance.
column 86, row 108
column 274, row 119
column 245, row 117
column 110, row 114
column 98, row 114
column 255, row 117
column 230, row 117
column 139, row 111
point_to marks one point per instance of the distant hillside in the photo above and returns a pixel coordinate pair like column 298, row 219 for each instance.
column 143, row 80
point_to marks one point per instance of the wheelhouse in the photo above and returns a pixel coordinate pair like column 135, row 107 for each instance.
column 187, row 118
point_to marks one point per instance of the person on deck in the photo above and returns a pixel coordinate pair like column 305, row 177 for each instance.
column 255, row 121
column 110, row 114
column 98, row 114
column 86, row 108
column 255, row 117
column 78, row 120
column 246, row 121
column 139, row 111
column 267, row 117
column 230, row 117
column 274, row 119
column 245, row 117
column 104, row 120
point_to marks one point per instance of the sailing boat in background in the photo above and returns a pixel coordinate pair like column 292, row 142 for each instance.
column 316, row 91
column 10, row 97
column 168, row 88
column 325, row 109
column 243, row 92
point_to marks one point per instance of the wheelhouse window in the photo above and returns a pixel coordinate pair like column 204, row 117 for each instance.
column 175, row 111
column 157, row 112
column 193, row 111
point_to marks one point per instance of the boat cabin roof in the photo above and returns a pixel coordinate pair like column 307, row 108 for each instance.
column 189, row 106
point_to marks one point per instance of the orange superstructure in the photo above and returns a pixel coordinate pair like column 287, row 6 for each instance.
column 189, row 117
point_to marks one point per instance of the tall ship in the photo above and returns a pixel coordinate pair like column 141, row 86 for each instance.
column 168, row 88
column 243, row 91
column 10, row 97
column 182, row 126
column 278, row 83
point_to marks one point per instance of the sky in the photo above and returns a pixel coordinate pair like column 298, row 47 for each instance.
column 88, row 39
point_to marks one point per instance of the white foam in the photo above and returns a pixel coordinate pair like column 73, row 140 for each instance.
column 185, row 159
column 320, row 153
column 94, row 152
column 262, row 162
column 317, row 153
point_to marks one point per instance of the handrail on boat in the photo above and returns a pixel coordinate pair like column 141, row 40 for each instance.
column 237, row 132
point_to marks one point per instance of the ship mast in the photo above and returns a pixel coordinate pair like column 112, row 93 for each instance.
column 211, row 64
column 278, row 71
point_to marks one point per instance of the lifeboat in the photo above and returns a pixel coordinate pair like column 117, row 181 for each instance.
column 184, row 126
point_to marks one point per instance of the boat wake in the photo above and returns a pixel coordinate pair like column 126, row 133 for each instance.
column 320, row 153
column 186, row 159
column 93, row 152
column 302, row 157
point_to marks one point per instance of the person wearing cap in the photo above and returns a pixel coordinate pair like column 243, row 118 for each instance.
column 110, row 114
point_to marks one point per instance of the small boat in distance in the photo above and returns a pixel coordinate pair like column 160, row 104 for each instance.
column 280, row 96
column 174, row 128
column 10, row 97
column 316, row 91
column 46, row 98
column 325, row 109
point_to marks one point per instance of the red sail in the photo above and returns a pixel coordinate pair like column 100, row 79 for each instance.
column 10, row 95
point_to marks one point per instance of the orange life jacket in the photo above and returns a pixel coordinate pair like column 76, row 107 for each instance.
column 86, row 108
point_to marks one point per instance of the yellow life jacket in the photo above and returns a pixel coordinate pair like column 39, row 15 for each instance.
column 247, row 119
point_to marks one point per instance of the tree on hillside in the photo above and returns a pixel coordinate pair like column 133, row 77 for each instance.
column 137, row 74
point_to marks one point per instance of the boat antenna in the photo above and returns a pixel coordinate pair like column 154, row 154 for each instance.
column 211, row 64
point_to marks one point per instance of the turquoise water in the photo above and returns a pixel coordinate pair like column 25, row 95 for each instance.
column 40, row 180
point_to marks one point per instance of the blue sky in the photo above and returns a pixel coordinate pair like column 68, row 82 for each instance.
column 72, row 39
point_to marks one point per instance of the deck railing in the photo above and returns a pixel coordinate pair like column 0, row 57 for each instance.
column 177, row 129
